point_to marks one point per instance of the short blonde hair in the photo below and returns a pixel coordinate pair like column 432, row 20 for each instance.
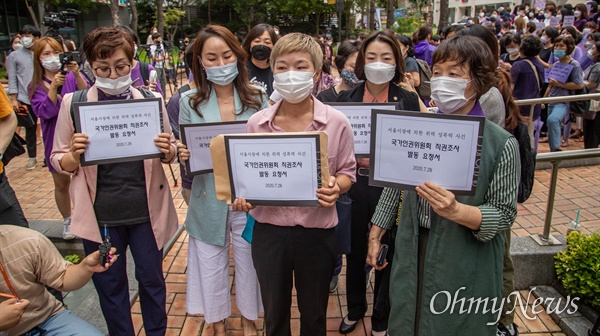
column 297, row 42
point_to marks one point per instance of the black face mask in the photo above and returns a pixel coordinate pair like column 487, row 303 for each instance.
column 260, row 52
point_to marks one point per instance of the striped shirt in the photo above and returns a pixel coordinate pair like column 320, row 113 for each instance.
column 498, row 212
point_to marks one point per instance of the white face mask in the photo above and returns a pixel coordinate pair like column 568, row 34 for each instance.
column 588, row 44
column 222, row 74
column 379, row 72
column 17, row 46
column 547, row 15
column 448, row 93
column 51, row 63
column 544, row 39
column 294, row 86
column 590, row 54
column 512, row 51
column 577, row 14
column 587, row 30
column 113, row 87
column 27, row 42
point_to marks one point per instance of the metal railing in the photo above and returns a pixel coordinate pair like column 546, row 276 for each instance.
column 555, row 158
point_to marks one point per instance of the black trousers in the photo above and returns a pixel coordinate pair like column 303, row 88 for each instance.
column 10, row 208
column 364, row 201
column 31, row 135
column 591, row 132
column 288, row 256
column 381, row 296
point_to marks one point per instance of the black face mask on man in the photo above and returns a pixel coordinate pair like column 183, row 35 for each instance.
column 260, row 52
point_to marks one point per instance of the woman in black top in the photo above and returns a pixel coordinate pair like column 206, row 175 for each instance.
column 344, row 62
column 381, row 65
column 258, row 45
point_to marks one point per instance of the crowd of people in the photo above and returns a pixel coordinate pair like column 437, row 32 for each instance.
column 284, row 83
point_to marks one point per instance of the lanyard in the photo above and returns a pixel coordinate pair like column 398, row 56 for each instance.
column 10, row 287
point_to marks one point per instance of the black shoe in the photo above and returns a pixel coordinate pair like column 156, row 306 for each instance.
column 333, row 284
column 347, row 328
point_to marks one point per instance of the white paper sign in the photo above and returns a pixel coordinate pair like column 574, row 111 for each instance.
column 119, row 131
column 197, row 139
column 411, row 148
column 267, row 173
column 359, row 116
column 568, row 20
column 540, row 26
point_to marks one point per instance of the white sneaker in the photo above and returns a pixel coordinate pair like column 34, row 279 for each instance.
column 31, row 163
column 66, row 234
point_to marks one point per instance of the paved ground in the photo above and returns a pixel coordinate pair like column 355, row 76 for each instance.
column 578, row 188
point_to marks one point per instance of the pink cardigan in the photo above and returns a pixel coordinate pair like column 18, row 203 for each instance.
column 83, row 183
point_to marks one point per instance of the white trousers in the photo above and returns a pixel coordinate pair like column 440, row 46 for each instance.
column 208, row 287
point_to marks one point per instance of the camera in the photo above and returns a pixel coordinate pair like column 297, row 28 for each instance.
column 54, row 21
column 68, row 57
column 63, row 19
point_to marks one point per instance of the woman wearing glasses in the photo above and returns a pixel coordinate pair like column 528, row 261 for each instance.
column 130, row 202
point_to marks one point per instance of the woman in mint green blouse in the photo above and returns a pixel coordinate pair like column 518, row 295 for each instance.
column 222, row 93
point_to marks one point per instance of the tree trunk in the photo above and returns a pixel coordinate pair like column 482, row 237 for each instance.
column 390, row 13
column 36, row 23
column 134, row 15
column 209, row 19
column 160, row 16
column 372, row 15
column 114, row 12
column 444, row 12
column 317, row 21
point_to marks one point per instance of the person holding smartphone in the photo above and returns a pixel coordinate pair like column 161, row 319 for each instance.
column 48, row 86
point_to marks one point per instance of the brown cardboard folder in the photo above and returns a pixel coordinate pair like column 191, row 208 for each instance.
column 220, row 160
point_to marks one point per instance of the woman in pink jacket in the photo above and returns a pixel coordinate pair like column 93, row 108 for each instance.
column 130, row 201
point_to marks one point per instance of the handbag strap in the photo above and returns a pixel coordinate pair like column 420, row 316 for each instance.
column 537, row 77
column 10, row 287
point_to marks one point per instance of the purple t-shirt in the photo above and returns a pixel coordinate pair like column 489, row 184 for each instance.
column 47, row 111
column 526, row 83
column 136, row 73
column 424, row 51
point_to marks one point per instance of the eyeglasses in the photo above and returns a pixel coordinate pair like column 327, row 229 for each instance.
column 105, row 72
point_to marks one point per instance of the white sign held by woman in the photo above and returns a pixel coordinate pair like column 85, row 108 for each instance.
column 408, row 149
column 119, row 131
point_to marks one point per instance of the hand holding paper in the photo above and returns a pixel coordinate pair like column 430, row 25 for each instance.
column 240, row 204
column 184, row 153
column 163, row 143
column 328, row 196
column 442, row 201
column 79, row 143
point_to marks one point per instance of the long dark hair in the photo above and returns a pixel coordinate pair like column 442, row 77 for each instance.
column 345, row 50
column 247, row 93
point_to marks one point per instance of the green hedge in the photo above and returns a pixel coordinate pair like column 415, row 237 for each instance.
column 578, row 268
